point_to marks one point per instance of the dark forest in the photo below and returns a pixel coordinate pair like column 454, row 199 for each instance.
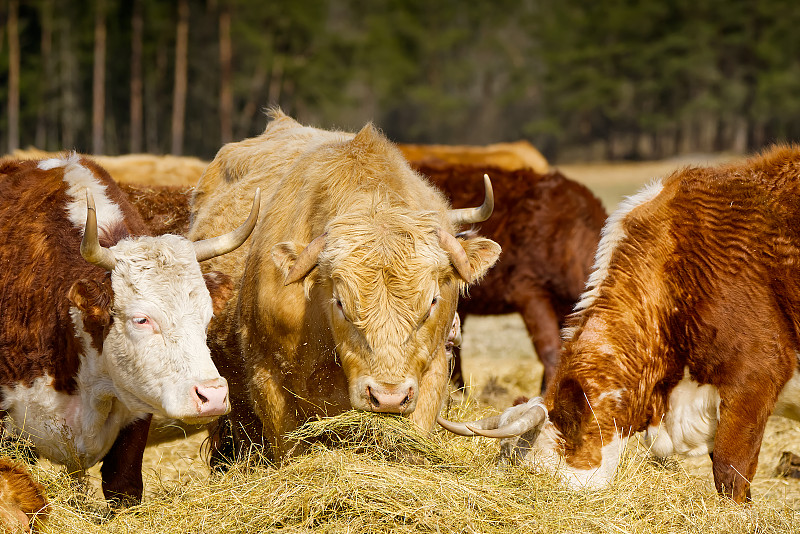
column 581, row 80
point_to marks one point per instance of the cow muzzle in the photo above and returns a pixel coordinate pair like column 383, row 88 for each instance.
column 374, row 396
column 210, row 398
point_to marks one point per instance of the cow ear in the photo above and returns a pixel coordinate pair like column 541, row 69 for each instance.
column 93, row 299
column 220, row 287
column 284, row 255
column 482, row 254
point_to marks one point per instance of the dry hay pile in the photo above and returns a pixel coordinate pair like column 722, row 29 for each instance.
column 385, row 477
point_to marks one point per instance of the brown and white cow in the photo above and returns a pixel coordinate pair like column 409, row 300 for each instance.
column 348, row 293
column 689, row 330
column 548, row 227
column 91, row 346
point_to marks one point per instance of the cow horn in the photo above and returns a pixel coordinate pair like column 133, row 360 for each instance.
column 91, row 250
column 529, row 419
column 458, row 256
column 306, row 260
column 475, row 215
column 462, row 429
column 217, row 246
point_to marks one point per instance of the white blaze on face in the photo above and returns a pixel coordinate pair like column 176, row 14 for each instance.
column 155, row 351
column 546, row 457
column 541, row 448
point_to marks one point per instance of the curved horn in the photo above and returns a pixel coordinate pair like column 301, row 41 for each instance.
column 306, row 260
column 91, row 250
column 468, row 429
column 475, row 215
column 458, row 256
column 530, row 419
column 217, row 246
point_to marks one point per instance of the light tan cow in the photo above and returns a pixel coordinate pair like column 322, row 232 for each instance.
column 349, row 291
column 141, row 169
column 507, row 156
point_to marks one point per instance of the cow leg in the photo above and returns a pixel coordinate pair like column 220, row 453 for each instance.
column 543, row 327
column 122, row 466
column 737, row 444
column 456, row 373
column 432, row 391
column 277, row 409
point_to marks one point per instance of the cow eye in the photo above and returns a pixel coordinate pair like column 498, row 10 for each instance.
column 141, row 321
column 340, row 307
column 434, row 302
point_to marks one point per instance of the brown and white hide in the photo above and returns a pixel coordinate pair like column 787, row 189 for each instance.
column 102, row 324
column 689, row 330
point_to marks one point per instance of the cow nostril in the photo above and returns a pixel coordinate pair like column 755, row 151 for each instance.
column 407, row 399
column 203, row 398
column 372, row 399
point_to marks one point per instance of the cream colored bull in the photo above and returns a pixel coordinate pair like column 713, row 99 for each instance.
column 348, row 293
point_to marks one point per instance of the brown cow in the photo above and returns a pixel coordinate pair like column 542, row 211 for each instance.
column 689, row 330
column 165, row 209
column 23, row 502
column 548, row 227
column 348, row 293
column 102, row 324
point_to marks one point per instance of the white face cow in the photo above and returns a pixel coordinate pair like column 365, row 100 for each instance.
column 154, row 348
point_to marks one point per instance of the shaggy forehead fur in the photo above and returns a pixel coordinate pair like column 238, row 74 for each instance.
column 167, row 268
column 385, row 262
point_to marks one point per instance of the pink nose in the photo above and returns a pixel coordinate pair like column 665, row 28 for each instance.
column 211, row 397
column 389, row 399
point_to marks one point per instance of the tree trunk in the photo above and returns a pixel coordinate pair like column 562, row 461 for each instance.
column 13, row 76
column 257, row 83
column 47, row 108
column 179, row 93
column 226, row 69
column 68, row 71
column 155, row 102
column 99, row 78
column 275, row 81
column 136, row 78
